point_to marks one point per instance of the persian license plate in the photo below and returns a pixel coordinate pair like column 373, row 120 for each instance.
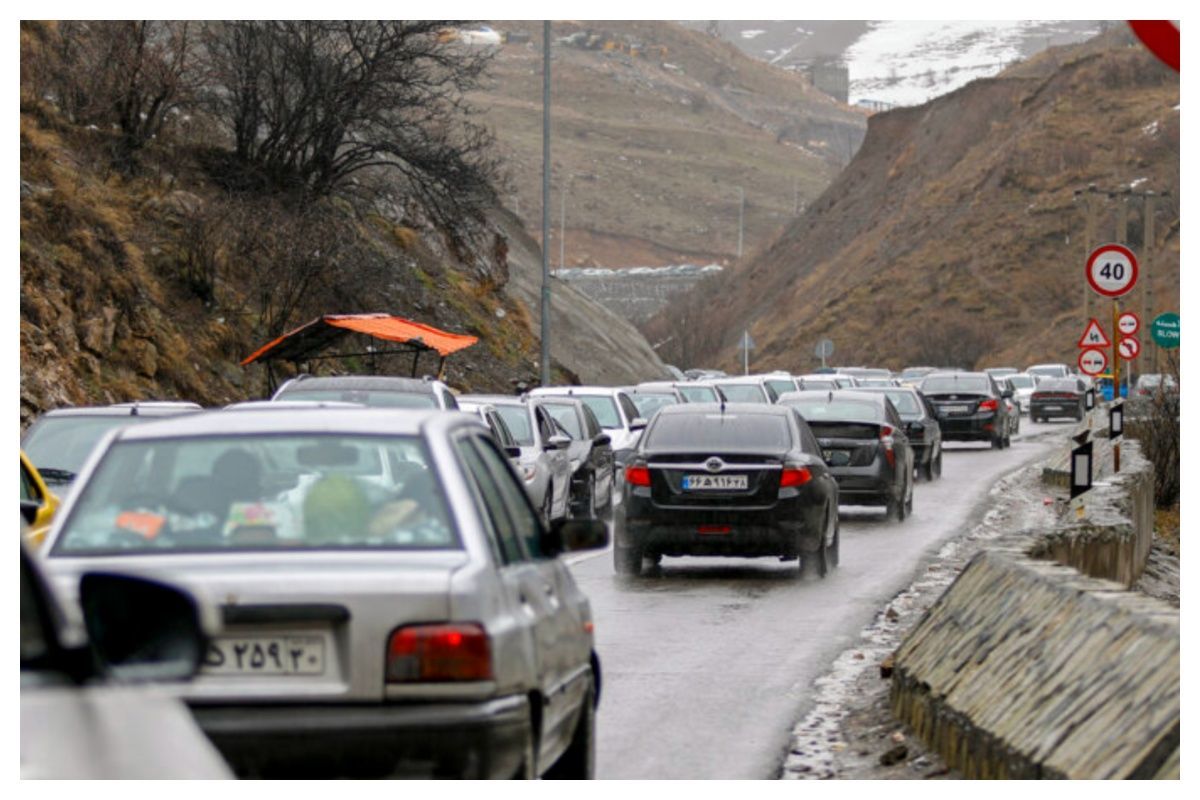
column 957, row 409
column 265, row 655
column 700, row 483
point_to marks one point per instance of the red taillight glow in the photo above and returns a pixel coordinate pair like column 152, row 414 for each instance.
column 794, row 476
column 989, row 405
column 713, row 529
column 637, row 476
column 885, row 431
column 451, row 652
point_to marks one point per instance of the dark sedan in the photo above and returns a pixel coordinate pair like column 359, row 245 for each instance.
column 1058, row 397
column 863, row 441
column 733, row 480
column 970, row 407
column 920, row 425
column 590, row 452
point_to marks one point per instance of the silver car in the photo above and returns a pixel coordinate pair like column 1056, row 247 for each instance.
column 544, row 465
column 392, row 604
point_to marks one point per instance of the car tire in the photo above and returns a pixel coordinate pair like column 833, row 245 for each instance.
column 835, row 548
column 578, row 761
column 997, row 443
column 894, row 510
column 627, row 560
column 937, row 465
column 908, row 504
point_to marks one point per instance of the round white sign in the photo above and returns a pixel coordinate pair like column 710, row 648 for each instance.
column 1092, row 361
column 1112, row 270
column 1129, row 348
column 1128, row 323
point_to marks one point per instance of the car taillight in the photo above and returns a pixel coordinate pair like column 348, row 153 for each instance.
column 794, row 476
column 885, row 438
column 637, row 476
column 449, row 652
column 989, row 405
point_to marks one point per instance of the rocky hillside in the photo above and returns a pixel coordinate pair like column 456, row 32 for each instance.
column 154, row 283
column 654, row 128
column 959, row 219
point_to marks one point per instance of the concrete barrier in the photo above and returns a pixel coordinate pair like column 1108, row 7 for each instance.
column 1033, row 665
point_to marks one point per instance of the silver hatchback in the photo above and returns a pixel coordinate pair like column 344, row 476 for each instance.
column 392, row 603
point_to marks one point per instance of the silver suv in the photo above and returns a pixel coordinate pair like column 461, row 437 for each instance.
column 392, row 604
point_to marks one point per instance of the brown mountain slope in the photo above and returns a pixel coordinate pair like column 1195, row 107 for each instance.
column 961, row 215
column 658, row 132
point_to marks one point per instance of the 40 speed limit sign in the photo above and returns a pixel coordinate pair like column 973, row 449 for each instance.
column 1112, row 270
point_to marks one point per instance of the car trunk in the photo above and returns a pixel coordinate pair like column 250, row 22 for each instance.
column 957, row 404
column 745, row 480
column 847, row 444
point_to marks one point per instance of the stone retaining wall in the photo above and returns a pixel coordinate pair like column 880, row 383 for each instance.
column 1032, row 665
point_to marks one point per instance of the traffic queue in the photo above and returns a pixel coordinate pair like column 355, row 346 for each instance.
column 383, row 557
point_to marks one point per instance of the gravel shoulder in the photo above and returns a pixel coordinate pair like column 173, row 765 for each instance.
column 850, row 732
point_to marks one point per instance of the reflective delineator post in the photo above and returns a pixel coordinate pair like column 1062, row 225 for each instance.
column 1116, row 426
column 1081, row 469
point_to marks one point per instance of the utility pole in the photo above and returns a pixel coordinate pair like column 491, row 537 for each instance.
column 1148, row 242
column 1122, row 234
column 741, row 219
column 562, row 226
column 545, row 203
column 1089, row 242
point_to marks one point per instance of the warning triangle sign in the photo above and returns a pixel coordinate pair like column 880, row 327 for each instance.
column 1093, row 336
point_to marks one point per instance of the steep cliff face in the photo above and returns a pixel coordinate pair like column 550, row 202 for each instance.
column 964, row 211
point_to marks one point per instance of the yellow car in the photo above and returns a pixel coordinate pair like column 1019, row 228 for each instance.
column 35, row 493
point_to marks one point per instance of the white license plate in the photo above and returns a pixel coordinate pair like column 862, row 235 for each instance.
column 265, row 655
column 957, row 409
column 694, row 483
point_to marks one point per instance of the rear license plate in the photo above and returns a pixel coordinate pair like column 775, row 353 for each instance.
column 957, row 409
column 701, row 483
column 265, row 655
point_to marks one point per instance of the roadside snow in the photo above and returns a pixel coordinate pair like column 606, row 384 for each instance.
column 752, row 34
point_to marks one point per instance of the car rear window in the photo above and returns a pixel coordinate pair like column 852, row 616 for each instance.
column 905, row 402
column 517, row 420
column 260, row 492
column 1058, row 385
column 955, row 383
column 718, row 431
column 366, row 398
column 743, row 392
column 604, row 407
column 647, row 404
column 839, row 409
column 1021, row 381
column 698, row 394
column 565, row 415
column 64, row 443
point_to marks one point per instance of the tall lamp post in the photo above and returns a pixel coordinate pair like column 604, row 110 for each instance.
column 545, row 202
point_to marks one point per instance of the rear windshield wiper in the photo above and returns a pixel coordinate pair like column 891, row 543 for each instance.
column 55, row 475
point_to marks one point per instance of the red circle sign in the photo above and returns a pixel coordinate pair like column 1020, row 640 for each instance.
column 1092, row 361
column 1112, row 270
column 1161, row 36
column 1129, row 323
column 1129, row 348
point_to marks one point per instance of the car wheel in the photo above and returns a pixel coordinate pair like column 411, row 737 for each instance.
column 835, row 548
column 997, row 443
column 937, row 465
column 894, row 509
column 627, row 560
column 578, row 761
column 908, row 505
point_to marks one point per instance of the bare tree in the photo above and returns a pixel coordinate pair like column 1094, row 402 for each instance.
column 314, row 106
column 954, row 342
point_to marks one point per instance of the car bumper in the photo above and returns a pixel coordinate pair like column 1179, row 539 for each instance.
column 969, row 429
column 1048, row 410
column 470, row 740
column 678, row 531
column 864, row 486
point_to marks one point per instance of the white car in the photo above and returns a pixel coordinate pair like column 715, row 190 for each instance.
column 614, row 409
column 1023, row 385
column 1049, row 370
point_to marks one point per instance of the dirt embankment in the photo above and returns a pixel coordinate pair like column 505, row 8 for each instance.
column 965, row 210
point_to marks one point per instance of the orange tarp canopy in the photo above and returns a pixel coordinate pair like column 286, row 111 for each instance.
column 312, row 337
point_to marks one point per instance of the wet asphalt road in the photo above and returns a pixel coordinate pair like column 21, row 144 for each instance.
column 708, row 662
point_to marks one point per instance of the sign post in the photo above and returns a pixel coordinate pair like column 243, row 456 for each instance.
column 824, row 349
column 747, row 346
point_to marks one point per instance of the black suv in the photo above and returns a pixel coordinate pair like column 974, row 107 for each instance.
column 970, row 407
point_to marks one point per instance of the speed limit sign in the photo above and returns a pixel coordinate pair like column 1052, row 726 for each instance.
column 1112, row 270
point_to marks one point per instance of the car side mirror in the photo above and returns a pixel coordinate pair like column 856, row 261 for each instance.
column 602, row 439
column 1007, row 393
column 29, row 510
column 572, row 535
column 512, row 451
column 142, row 630
column 638, row 423
column 558, row 442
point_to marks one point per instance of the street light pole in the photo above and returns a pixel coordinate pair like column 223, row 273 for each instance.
column 562, row 225
column 741, row 218
column 545, row 203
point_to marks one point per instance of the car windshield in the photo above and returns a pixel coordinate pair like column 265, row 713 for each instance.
column 647, row 404
column 699, row 394
column 743, row 392
column 366, row 398
column 781, row 385
column 905, row 402
column 950, row 384
column 565, row 415
column 717, row 431
column 604, row 407
column 230, row 493
column 839, row 408
column 1021, row 381
column 517, row 420
column 58, row 446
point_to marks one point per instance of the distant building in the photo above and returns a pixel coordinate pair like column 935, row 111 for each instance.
column 831, row 76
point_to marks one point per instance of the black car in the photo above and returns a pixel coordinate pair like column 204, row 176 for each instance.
column 920, row 425
column 862, row 440
column 590, row 452
column 59, row 441
column 728, row 479
column 970, row 407
column 1058, row 397
column 376, row 391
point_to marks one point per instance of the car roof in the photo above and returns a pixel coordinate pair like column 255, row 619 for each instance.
column 283, row 405
column 354, row 421
column 547, row 391
column 849, row 394
column 727, row 408
column 366, row 383
column 152, row 409
column 493, row 399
